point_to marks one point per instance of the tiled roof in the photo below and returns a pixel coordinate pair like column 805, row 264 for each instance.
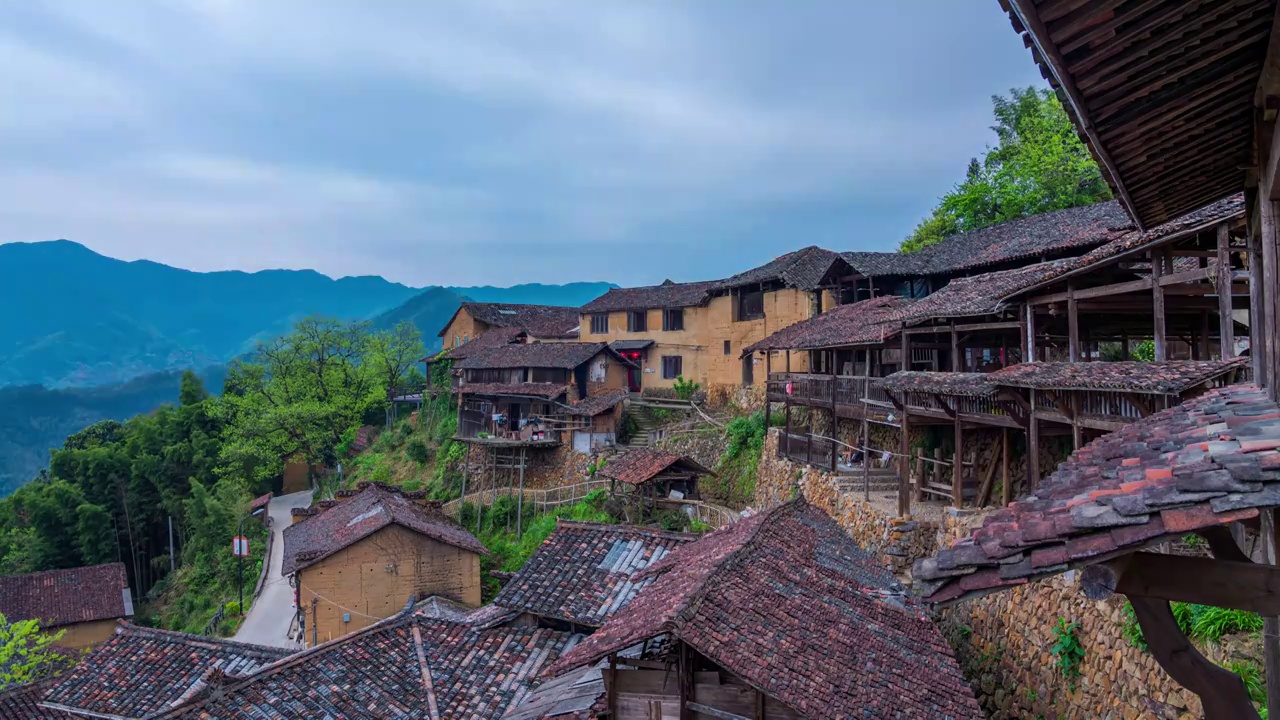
column 139, row 671
column 880, row 264
column 981, row 294
column 621, row 345
column 1208, row 462
column 803, row 269
column 639, row 465
column 667, row 295
column 576, row 696
column 564, row 355
column 64, row 597
column 1046, row 234
column 1164, row 378
column 942, row 383
column 789, row 603
column 603, row 401
column 862, row 322
column 261, row 501
column 1134, row 241
column 21, row 702
column 407, row 667
column 544, row 321
column 582, row 573
column 350, row 521
column 545, row 390
column 486, row 341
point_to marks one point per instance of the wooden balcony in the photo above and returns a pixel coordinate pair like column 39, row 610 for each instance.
column 850, row 396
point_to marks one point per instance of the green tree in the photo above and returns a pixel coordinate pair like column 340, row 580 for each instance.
column 192, row 390
column 26, row 654
column 1037, row 165
column 392, row 354
column 94, row 534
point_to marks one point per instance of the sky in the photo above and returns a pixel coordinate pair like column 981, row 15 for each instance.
column 465, row 142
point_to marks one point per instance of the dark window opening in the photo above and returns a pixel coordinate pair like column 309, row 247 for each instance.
column 673, row 319
column 751, row 305
column 672, row 367
column 600, row 324
column 637, row 321
column 728, row 348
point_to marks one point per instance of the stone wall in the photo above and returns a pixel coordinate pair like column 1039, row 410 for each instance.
column 1002, row 640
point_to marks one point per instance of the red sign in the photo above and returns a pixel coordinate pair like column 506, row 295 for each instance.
column 240, row 546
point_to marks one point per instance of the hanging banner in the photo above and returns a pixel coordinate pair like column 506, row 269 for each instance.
column 240, row 546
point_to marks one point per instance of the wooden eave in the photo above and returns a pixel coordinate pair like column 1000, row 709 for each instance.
column 1161, row 91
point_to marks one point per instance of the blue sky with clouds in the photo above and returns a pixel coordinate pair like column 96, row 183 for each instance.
column 490, row 141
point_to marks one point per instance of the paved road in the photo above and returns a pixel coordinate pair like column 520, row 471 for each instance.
column 270, row 615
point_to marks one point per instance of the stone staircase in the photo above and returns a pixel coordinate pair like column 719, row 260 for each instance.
column 644, row 422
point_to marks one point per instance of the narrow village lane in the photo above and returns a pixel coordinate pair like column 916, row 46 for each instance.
column 270, row 615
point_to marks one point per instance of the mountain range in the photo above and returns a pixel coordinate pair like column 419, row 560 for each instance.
column 75, row 318
column 85, row 337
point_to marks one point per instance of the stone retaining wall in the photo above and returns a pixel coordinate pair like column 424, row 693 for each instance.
column 1002, row 640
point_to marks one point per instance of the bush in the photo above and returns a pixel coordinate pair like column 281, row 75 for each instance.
column 671, row 520
column 417, row 451
column 684, row 389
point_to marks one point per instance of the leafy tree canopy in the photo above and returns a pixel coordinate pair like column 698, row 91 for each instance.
column 26, row 654
column 1037, row 165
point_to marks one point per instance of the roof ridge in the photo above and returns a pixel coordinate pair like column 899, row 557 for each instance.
column 291, row 660
column 128, row 629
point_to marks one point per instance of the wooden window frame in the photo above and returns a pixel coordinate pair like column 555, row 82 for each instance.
column 672, row 367
column 728, row 347
column 741, row 311
column 673, row 319
column 637, row 321
column 600, row 324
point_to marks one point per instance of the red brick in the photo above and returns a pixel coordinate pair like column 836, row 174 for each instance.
column 1130, row 462
column 1256, row 445
column 1159, row 473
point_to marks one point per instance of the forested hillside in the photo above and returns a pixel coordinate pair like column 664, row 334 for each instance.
column 112, row 488
column 34, row 419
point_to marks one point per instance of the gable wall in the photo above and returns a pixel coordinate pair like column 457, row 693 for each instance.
column 462, row 326
column 690, row 344
column 782, row 308
column 374, row 578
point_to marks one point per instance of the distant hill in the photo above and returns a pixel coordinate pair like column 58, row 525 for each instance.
column 77, row 318
column 74, row 318
column 432, row 308
column 34, row 419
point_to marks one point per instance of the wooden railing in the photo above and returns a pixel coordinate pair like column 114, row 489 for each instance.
column 808, row 388
column 538, row 498
column 808, row 449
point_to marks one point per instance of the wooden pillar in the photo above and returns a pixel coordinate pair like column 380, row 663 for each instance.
column 1022, row 341
column 520, row 497
column 957, row 363
column 1157, row 305
column 1269, row 279
column 1075, row 420
column 1033, row 447
column 1124, row 345
column 904, row 443
column 1029, row 332
column 1271, row 625
column 835, row 423
column 1006, row 487
column 1226, row 326
column 1206, row 351
column 684, row 684
column 1073, row 326
column 866, row 458
column 957, row 470
column 1257, row 310
column 612, row 695
column 768, row 371
column 788, row 361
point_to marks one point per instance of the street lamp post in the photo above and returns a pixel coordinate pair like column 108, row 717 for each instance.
column 240, row 533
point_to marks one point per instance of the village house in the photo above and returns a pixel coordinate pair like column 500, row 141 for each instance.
column 585, row 572
column 542, row 323
column 781, row 615
column 363, row 558
column 655, row 479
column 82, row 603
column 139, row 672
column 433, row 660
column 696, row 331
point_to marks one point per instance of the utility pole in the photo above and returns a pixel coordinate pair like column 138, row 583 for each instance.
column 171, row 564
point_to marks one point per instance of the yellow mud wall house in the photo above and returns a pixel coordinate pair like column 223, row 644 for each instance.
column 715, row 320
column 82, row 603
column 363, row 559
column 542, row 323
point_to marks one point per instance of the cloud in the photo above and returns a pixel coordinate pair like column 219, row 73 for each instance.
column 494, row 141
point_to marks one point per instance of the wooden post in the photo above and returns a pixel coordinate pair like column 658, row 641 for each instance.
column 466, row 472
column 1271, row 625
column 1226, row 326
column 685, row 685
column 904, row 441
column 1205, row 350
column 1029, row 332
column 1124, row 345
column 835, row 423
column 957, row 470
column 612, row 701
column 768, row 372
column 1269, row 279
column 1257, row 310
column 957, row 363
column 1075, row 420
column 520, row 498
column 1033, row 447
column 866, row 458
column 1157, row 306
column 1073, row 326
column 1006, row 487
column 788, row 361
